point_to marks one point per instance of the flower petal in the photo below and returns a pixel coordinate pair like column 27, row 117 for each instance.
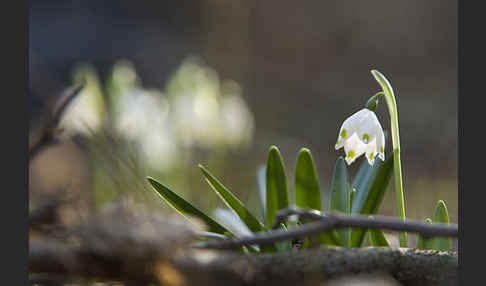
column 380, row 143
column 349, row 127
column 368, row 127
column 354, row 148
column 371, row 152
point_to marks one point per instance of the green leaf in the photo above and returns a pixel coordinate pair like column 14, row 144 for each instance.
column 211, row 235
column 307, row 191
column 341, row 196
column 308, row 195
column 441, row 216
column 277, row 194
column 352, row 196
column 378, row 238
column 329, row 238
column 233, row 202
column 423, row 243
column 184, row 207
column 370, row 194
column 262, row 188
column 237, row 206
column 362, row 176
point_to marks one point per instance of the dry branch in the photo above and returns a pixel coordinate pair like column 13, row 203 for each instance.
column 45, row 133
column 146, row 249
column 333, row 221
column 408, row 266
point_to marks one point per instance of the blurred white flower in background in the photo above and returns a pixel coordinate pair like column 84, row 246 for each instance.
column 196, row 109
column 237, row 119
column 142, row 118
column 86, row 113
column 208, row 112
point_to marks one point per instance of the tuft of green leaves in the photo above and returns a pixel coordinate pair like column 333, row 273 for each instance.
column 363, row 196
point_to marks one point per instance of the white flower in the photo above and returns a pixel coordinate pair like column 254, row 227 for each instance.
column 362, row 133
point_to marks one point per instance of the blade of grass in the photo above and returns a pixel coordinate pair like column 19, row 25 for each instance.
column 441, row 216
column 262, row 188
column 277, row 193
column 233, row 202
column 185, row 208
column 307, row 190
column 423, row 243
column 362, row 176
column 378, row 238
column 341, row 197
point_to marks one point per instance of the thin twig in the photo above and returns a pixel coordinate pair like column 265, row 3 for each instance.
column 333, row 221
column 45, row 134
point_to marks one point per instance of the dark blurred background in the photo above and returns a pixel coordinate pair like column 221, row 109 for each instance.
column 298, row 69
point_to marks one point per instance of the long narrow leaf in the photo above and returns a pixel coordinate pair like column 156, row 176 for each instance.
column 341, row 196
column 369, row 196
column 352, row 196
column 231, row 221
column 441, row 216
column 365, row 174
column 237, row 207
column 262, row 188
column 423, row 243
column 307, row 191
column 277, row 193
column 184, row 207
column 378, row 238
column 233, row 202
column 362, row 176
column 329, row 238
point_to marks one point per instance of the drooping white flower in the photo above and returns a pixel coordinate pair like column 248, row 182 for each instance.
column 362, row 134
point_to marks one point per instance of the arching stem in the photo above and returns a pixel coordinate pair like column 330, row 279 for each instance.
column 397, row 165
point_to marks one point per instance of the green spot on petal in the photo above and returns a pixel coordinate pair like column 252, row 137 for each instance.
column 351, row 154
column 372, row 155
column 366, row 137
column 343, row 133
column 381, row 149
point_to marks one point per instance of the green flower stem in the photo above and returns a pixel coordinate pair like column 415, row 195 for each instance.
column 397, row 165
